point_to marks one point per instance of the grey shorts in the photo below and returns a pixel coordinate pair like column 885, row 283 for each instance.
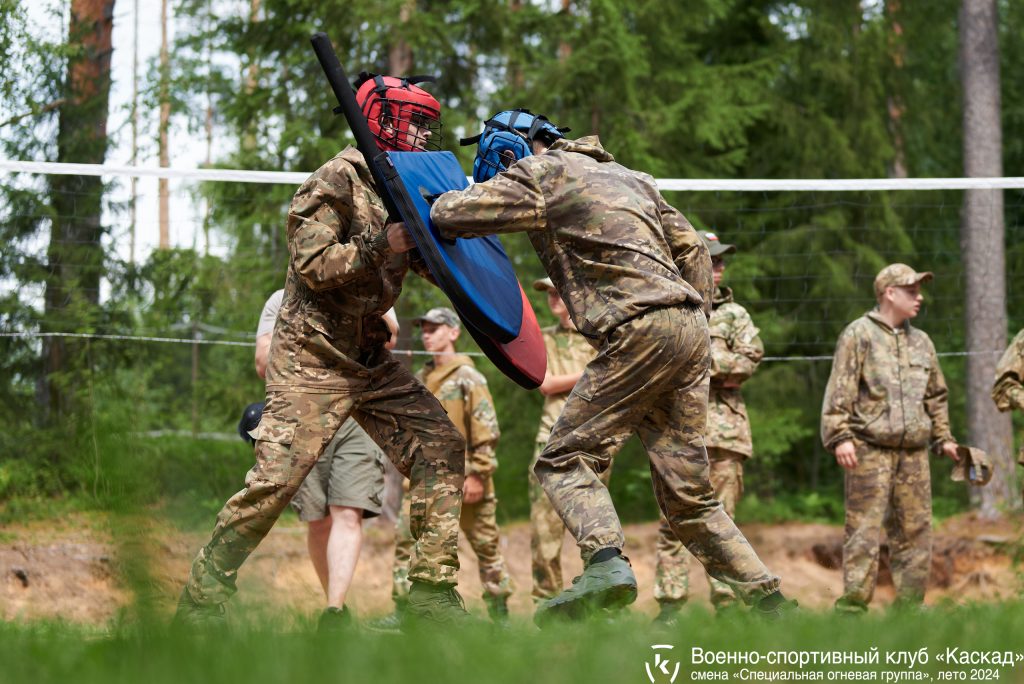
column 350, row 472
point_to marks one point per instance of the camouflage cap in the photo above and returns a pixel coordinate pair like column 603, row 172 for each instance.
column 974, row 466
column 543, row 285
column 716, row 246
column 441, row 315
column 895, row 275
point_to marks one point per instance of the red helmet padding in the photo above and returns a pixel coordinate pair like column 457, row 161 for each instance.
column 389, row 105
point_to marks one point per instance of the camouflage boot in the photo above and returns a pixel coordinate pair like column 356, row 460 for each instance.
column 846, row 605
column 774, row 606
column 431, row 605
column 390, row 623
column 606, row 582
column 668, row 614
column 497, row 608
column 193, row 616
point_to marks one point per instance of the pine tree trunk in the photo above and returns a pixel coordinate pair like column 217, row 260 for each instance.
column 982, row 242
column 75, row 254
column 400, row 54
column 894, row 101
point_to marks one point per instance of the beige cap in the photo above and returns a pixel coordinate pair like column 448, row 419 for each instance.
column 895, row 275
column 974, row 466
column 441, row 315
column 543, row 285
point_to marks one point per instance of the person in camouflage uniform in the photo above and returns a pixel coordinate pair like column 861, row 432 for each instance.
column 636, row 279
column 462, row 391
column 885, row 404
column 736, row 351
column 568, row 353
column 328, row 361
column 1008, row 390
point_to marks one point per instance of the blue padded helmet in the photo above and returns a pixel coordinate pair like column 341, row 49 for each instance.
column 506, row 138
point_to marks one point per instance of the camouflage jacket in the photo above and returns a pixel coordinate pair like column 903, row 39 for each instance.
column 886, row 388
column 462, row 391
column 610, row 243
column 341, row 278
column 736, row 350
column 1008, row 391
column 568, row 352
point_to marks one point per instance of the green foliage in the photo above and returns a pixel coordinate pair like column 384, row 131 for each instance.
column 281, row 647
column 712, row 88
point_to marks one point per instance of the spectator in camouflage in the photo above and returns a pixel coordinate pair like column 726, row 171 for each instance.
column 1008, row 390
column 462, row 391
column 636, row 279
column 736, row 351
column 885, row 404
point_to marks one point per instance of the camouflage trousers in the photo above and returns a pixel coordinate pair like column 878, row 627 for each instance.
column 671, row 575
column 400, row 415
column 547, row 531
column 479, row 523
column 650, row 377
column 890, row 488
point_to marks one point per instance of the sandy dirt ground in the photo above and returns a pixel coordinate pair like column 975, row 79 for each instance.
column 76, row 569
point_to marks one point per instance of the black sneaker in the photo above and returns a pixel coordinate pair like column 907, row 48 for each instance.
column 334, row 620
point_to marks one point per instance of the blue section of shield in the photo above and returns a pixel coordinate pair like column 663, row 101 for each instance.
column 478, row 266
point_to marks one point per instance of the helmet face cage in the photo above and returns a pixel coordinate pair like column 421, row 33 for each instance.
column 506, row 139
column 497, row 151
column 402, row 116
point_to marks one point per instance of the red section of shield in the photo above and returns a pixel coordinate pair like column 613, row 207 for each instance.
column 524, row 359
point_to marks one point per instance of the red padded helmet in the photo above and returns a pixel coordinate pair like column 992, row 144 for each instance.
column 391, row 105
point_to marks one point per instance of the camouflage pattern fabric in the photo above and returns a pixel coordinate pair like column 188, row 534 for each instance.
column 671, row 575
column 547, row 533
column 636, row 279
column 327, row 362
column 400, row 416
column 650, row 377
column 1008, row 390
column 736, row 351
column 568, row 352
column 886, row 388
column 462, row 391
column 341, row 279
column 611, row 244
column 890, row 487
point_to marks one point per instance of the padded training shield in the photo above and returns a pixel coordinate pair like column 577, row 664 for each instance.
column 475, row 274
column 525, row 358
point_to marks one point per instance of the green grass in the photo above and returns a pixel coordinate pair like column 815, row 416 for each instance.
column 255, row 651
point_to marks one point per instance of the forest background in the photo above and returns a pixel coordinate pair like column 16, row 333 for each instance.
column 697, row 89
